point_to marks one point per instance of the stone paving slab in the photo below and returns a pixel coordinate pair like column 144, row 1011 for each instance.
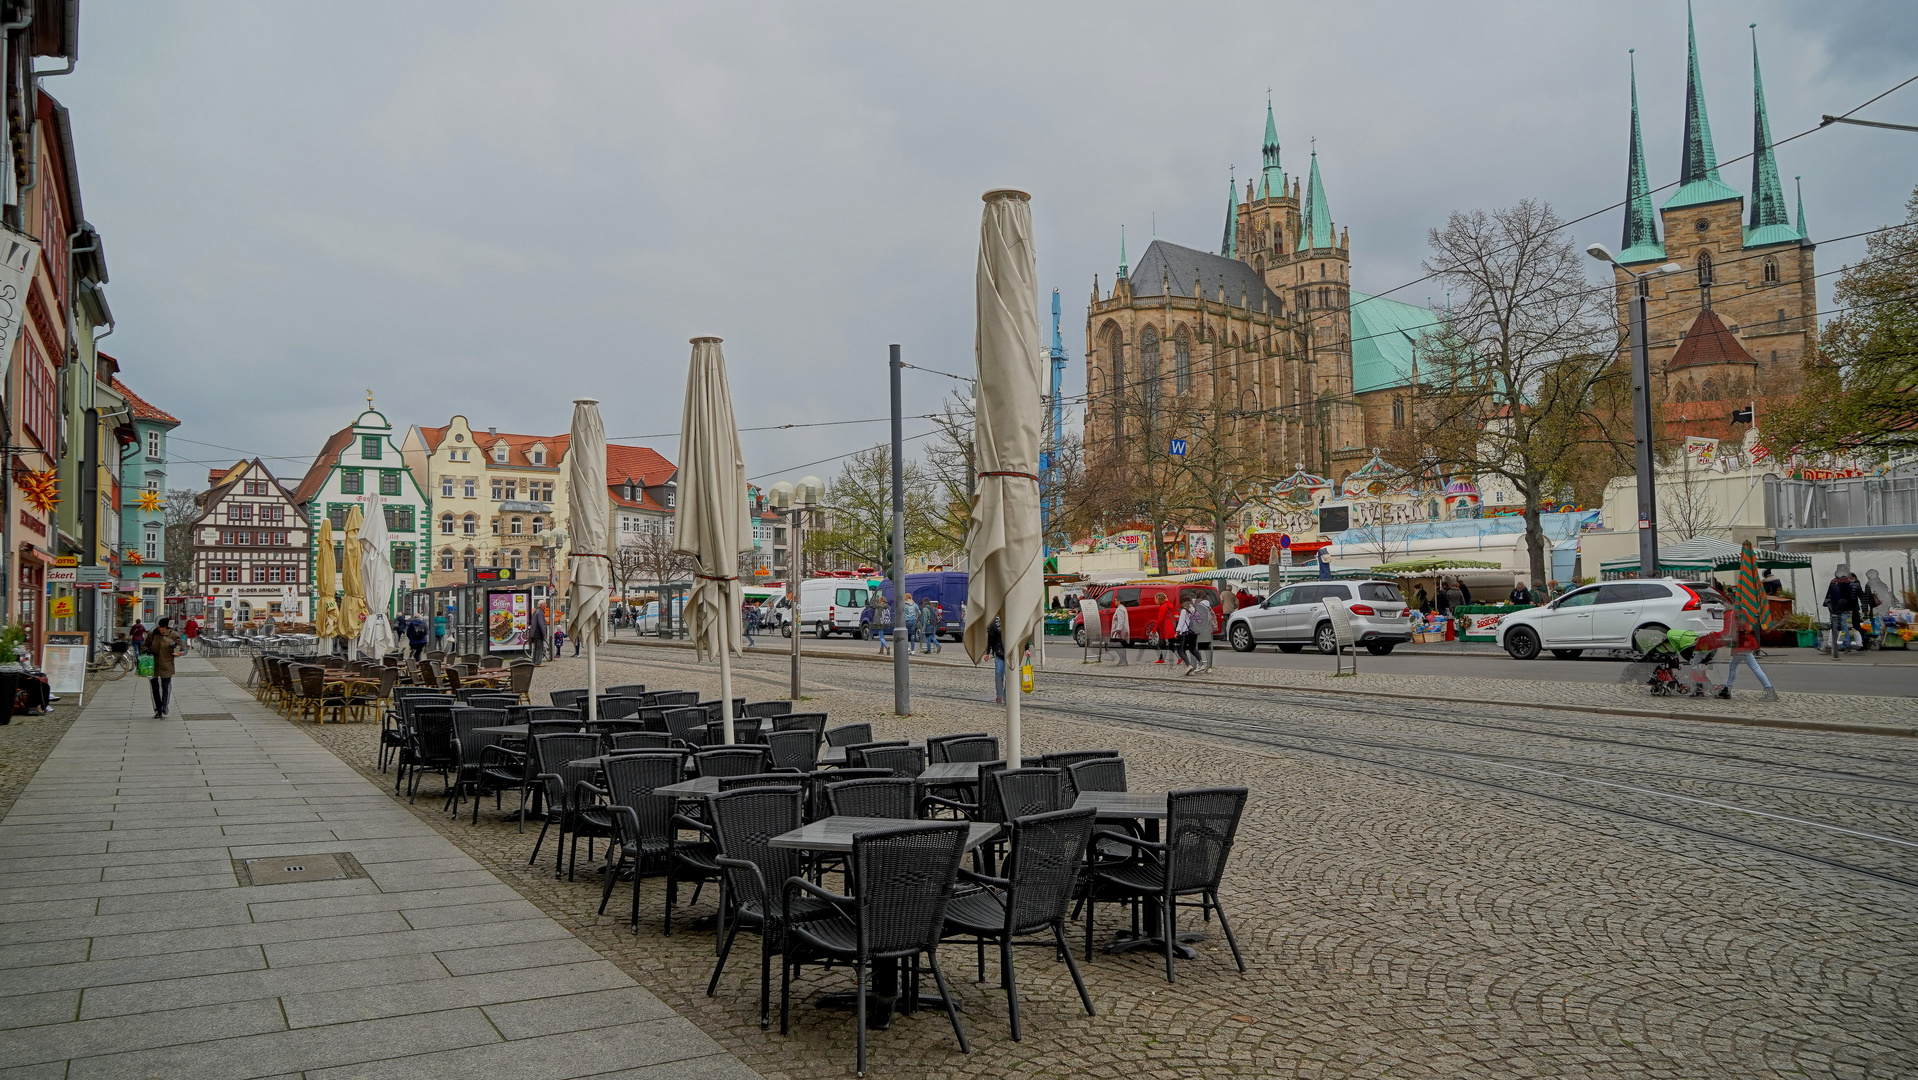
column 130, row 949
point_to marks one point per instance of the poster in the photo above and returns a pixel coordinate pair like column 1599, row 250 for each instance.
column 64, row 659
column 18, row 255
column 509, row 618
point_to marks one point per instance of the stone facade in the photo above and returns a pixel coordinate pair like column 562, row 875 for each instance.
column 496, row 496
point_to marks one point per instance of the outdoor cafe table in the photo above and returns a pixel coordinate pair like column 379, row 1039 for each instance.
column 1149, row 807
column 833, row 835
column 836, row 755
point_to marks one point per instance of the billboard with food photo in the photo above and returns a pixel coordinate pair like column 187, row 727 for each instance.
column 509, row 615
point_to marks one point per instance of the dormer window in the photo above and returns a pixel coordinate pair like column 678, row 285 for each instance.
column 538, row 456
column 499, row 453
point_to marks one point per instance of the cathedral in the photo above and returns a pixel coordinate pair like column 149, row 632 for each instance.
column 1738, row 324
column 1268, row 329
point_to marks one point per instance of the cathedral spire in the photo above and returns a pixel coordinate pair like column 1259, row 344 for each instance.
column 1229, row 246
column 1122, row 267
column 1800, row 182
column 1768, row 196
column 1272, row 178
column 1698, row 180
column 1641, row 221
column 1316, row 230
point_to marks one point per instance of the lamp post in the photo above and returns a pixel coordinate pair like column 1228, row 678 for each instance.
column 553, row 543
column 1641, row 409
column 794, row 503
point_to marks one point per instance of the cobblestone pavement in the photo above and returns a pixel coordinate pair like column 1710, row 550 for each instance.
column 1423, row 888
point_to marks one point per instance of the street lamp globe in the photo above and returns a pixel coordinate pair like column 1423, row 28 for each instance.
column 810, row 490
column 780, row 495
column 1601, row 253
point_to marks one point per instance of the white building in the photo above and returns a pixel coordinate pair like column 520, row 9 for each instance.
column 250, row 547
column 359, row 464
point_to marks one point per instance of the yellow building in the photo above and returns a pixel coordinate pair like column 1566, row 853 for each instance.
column 497, row 499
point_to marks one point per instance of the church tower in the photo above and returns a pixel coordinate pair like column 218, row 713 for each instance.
column 1740, row 321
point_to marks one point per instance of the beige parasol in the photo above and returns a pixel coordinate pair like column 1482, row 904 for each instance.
column 326, row 609
column 711, row 524
column 592, row 570
column 352, row 589
column 1002, row 540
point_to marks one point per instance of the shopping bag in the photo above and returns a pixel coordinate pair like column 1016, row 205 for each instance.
column 146, row 665
column 1025, row 677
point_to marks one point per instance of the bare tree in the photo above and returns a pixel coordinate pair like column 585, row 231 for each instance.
column 1134, row 479
column 182, row 510
column 1519, row 382
column 628, row 563
column 951, row 472
column 655, row 558
column 1222, row 463
column 858, row 529
column 1686, row 508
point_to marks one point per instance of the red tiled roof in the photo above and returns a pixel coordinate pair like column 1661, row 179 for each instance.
column 432, row 437
column 315, row 477
column 518, row 446
column 1708, row 342
column 142, row 410
column 639, row 464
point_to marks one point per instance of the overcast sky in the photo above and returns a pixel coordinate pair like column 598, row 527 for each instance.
column 494, row 208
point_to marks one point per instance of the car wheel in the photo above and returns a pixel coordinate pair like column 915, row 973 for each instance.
column 819, row 631
column 1568, row 654
column 1660, row 627
column 1241, row 638
column 1325, row 640
column 1290, row 647
column 1380, row 648
column 1522, row 643
column 786, row 630
column 1079, row 636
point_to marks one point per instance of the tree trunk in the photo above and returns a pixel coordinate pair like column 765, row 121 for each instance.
column 1535, row 537
column 1218, row 544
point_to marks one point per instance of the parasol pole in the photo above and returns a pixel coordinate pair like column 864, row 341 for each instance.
column 726, row 688
column 592, row 679
column 1015, row 753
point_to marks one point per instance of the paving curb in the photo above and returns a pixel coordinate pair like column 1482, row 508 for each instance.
column 1892, row 730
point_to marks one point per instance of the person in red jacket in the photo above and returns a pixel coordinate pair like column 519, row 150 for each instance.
column 1168, row 627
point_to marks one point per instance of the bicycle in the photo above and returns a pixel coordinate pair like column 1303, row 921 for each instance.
column 116, row 664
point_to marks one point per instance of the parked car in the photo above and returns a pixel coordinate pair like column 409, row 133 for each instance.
column 948, row 587
column 1609, row 614
column 831, row 605
column 1141, row 598
column 646, row 621
column 1296, row 616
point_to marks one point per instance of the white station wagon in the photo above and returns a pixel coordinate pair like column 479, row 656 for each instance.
column 1607, row 615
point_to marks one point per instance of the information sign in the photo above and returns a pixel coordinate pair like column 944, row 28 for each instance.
column 64, row 659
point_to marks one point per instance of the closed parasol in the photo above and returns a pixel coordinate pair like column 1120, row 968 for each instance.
column 326, row 609
column 376, row 580
column 591, row 561
column 352, row 586
column 1748, row 596
column 1002, row 539
column 711, row 524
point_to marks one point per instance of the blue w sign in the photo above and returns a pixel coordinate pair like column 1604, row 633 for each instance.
column 1178, row 448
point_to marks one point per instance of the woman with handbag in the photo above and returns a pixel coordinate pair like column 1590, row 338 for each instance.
column 157, row 664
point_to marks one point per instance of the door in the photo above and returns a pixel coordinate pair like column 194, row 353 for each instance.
column 1617, row 612
column 1569, row 625
column 1300, row 614
column 1265, row 619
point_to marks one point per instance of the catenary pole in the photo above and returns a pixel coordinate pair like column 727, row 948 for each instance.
column 901, row 655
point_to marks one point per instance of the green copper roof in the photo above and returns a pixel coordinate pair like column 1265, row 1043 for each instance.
column 1272, row 178
column 1768, row 195
column 1641, row 221
column 1230, row 245
column 1317, row 229
column 1800, row 182
column 1381, row 356
column 1698, row 175
column 1122, row 252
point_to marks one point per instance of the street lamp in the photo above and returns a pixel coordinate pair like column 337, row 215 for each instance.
column 793, row 503
column 1641, row 409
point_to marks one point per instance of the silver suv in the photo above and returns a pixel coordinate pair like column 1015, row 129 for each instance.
column 1295, row 616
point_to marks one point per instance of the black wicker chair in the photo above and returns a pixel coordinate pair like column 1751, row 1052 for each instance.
column 814, row 722
column 891, row 797
column 1025, row 792
column 628, row 741
column 669, row 699
column 936, row 746
column 744, row 821
column 569, row 699
column 617, row 706
column 793, row 751
column 628, row 690
column 905, row 761
column 759, row 709
column 744, row 731
column 432, row 747
column 1041, row 872
column 856, row 752
column 481, row 758
column 818, row 780
column 730, row 761
column 551, row 757
column 906, row 878
column 1069, row 758
column 687, row 725
column 642, row 841
column 849, row 735
column 1200, row 827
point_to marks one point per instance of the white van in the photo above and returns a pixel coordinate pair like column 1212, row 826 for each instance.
column 831, row 605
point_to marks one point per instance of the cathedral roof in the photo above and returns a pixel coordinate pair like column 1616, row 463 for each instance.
column 1383, row 332
column 1709, row 342
column 1165, row 265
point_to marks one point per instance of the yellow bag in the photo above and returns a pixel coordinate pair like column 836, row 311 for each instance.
column 1025, row 677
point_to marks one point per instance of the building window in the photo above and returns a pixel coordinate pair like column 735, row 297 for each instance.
column 151, row 552
column 446, row 524
column 38, row 397
column 1182, row 360
column 540, row 490
column 1149, row 365
column 446, row 560
column 403, row 558
column 389, row 482
column 519, row 526
column 352, row 482
column 499, row 453
column 514, row 563
column 1398, row 414
column 370, row 447
column 539, row 457
column 532, row 558
column 273, row 575
column 469, row 525
column 399, row 518
column 446, row 487
column 1771, row 275
column 468, row 488
column 273, row 513
column 337, row 515
column 1704, row 268
column 339, row 557
column 153, row 446
column 468, row 560
column 500, row 493
column 538, row 524
column 233, row 575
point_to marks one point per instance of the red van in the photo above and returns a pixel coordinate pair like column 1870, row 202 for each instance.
column 1141, row 600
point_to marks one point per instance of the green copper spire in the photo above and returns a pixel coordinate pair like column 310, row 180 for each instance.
column 1770, row 220
column 1316, row 230
column 1698, row 180
column 1229, row 247
column 1272, row 178
column 1800, row 182
column 1122, row 267
column 1641, row 221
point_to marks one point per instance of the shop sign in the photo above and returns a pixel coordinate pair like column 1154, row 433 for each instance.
column 33, row 524
column 62, row 575
column 67, row 560
column 92, row 575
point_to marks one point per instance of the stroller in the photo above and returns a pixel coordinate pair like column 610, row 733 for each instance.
column 1674, row 663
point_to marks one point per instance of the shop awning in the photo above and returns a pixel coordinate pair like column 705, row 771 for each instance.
column 1703, row 555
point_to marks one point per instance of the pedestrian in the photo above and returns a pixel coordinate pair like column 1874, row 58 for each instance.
column 882, row 625
column 192, row 632
column 163, row 644
column 996, row 645
column 749, row 619
column 559, row 640
column 416, row 636
column 536, row 633
column 1771, row 583
column 1181, row 628
column 1456, row 597
column 439, row 629
column 1464, row 593
column 1552, row 590
column 1421, row 600
column 136, row 637
column 1165, row 627
column 909, row 615
column 1522, row 595
column 1444, row 598
column 1744, row 645
column 1203, row 624
column 929, row 625
column 561, row 622
column 1121, row 635
column 1842, row 599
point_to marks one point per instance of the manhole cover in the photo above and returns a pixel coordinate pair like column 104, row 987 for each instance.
column 287, row 869
column 194, row 717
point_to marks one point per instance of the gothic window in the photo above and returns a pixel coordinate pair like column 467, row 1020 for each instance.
column 1182, row 360
column 1709, row 391
column 1398, row 414
column 1704, row 268
column 1115, row 393
column 1771, row 275
column 1149, row 372
column 1684, row 392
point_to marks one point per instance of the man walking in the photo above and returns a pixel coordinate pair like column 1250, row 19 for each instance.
column 439, row 629
column 536, row 633
column 1842, row 598
column 1165, row 628
column 416, row 636
column 163, row 643
column 1121, row 636
column 749, row 619
column 929, row 613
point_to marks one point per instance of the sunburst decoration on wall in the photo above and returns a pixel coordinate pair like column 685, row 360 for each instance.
column 42, row 488
column 150, row 501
